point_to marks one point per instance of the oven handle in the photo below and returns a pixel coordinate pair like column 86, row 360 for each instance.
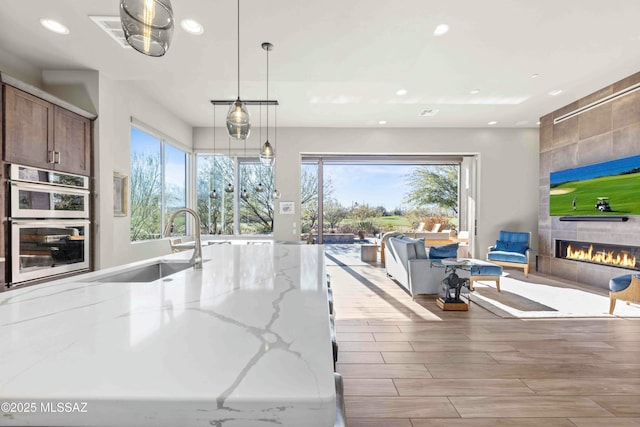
column 48, row 188
column 46, row 222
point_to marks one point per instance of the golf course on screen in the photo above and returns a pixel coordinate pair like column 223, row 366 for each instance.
column 610, row 188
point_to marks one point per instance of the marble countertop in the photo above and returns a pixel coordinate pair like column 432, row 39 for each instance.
column 243, row 342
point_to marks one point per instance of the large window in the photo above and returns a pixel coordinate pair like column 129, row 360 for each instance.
column 376, row 194
column 158, row 185
column 231, row 213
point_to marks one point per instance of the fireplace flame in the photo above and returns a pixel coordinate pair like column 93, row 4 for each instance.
column 601, row 257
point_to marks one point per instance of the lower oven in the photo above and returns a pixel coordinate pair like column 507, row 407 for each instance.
column 43, row 248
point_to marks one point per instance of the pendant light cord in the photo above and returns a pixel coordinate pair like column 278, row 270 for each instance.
column 268, row 94
column 214, row 147
column 238, row 49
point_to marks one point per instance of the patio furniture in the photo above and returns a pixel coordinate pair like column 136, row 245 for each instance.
column 369, row 252
column 626, row 288
column 511, row 250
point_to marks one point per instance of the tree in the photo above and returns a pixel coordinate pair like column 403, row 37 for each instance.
column 309, row 195
column 146, row 196
column 334, row 212
column 434, row 186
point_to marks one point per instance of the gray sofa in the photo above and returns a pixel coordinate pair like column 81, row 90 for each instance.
column 408, row 262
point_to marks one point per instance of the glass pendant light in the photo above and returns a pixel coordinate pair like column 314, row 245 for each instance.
column 214, row 194
column 276, row 193
column 147, row 25
column 244, row 194
column 267, row 153
column 229, row 188
column 259, row 188
column 238, row 118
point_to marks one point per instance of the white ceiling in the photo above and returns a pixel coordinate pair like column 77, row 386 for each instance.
column 339, row 63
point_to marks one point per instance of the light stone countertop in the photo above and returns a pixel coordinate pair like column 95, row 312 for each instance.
column 244, row 342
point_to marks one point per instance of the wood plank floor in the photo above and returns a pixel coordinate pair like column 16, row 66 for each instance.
column 408, row 364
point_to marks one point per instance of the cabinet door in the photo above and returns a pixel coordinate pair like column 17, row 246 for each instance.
column 72, row 142
column 28, row 129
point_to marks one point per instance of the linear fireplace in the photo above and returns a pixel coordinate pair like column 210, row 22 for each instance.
column 599, row 253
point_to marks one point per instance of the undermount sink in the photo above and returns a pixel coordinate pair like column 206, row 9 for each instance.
column 148, row 273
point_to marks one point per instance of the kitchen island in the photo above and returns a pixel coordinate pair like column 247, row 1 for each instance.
column 243, row 342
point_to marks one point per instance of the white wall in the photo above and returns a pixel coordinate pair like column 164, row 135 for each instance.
column 119, row 101
column 507, row 168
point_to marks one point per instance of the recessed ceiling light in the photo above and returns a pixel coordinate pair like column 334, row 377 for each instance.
column 382, row 122
column 492, row 123
column 475, row 91
column 441, row 30
column 538, row 122
column 522, row 122
column 555, row 92
column 401, row 92
column 535, row 76
column 54, row 26
column 192, row 26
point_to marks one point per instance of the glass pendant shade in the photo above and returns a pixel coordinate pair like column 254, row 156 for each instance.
column 214, row 195
column 147, row 25
column 244, row 195
column 267, row 154
column 229, row 188
column 259, row 188
column 238, row 118
column 276, row 194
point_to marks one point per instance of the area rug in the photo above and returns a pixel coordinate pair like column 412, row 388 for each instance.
column 540, row 297
column 510, row 299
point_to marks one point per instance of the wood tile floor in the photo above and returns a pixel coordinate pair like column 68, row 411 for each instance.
column 408, row 364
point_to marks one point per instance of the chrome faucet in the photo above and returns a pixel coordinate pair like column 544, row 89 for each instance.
column 196, row 259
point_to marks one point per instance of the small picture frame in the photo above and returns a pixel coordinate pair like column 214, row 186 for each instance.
column 120, row 194
column 287, row 208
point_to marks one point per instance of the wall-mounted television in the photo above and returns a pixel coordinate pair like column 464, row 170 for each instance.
column 608, row 188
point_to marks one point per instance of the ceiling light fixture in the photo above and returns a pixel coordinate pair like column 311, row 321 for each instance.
column 535, row 76
column 401, row 92
column 147, row 25
column 276, row 193
column 382, row 122
column 214, row 194
column 54, row 26
column 474, row 91
column 493, row 122
column 229, row 188
column 267, row 153
column 192, row 26
column 441, row 30
column 244, row 195
column 238, row 120
column 555, row 92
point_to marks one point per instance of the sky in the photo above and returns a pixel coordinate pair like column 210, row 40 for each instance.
column 596, row 170
column 375, row 185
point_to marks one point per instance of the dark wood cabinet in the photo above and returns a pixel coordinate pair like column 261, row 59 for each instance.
column 28, row 129
column 72, row 142
column 41, row 134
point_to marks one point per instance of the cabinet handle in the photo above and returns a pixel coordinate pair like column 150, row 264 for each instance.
column 52, row 157
column 59, row 156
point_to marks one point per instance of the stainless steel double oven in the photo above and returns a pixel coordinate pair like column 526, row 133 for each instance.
column 50, row 227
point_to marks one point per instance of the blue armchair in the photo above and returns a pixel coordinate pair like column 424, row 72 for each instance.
column 511, row 250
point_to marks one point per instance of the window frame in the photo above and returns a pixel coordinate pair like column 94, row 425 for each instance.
column 165, row 140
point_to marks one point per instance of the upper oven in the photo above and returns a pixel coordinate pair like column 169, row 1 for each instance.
column 37, row 193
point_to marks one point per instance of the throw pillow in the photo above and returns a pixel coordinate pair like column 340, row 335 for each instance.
column 519, row 247
column 420, row 248
column 446, row 251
